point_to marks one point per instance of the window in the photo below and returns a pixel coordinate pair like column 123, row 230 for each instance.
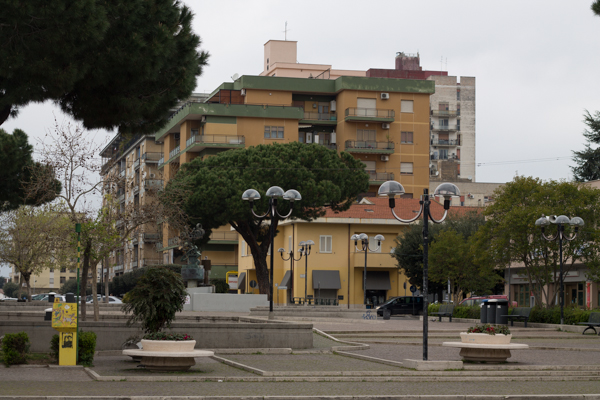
column 444, row 122
column 325, row 244
column 194, row 132
column 273, row 132
column 63, row 279
column 406, row 168
column 63, row 270
column 406, row 106
column 365, row 135
column 51, row 269
column 51, row 281
column 457, row 94
column 373, row 245
column 406, row 137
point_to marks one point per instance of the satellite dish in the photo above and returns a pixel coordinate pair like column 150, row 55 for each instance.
column 235, row 77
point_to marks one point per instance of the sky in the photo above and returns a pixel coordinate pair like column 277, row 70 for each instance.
column 535, row 63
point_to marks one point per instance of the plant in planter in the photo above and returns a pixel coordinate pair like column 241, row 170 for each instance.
column 487, row 334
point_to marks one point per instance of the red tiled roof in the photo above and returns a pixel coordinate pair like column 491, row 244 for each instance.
column 405, row 209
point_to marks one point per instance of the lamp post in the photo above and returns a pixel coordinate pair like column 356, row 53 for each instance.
column 304, row 250
column 364, row 242
column 391, row 189
column 273, row 193
column 561, row 221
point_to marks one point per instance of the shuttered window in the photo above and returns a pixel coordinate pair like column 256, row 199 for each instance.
column 406, row 137
column 406, row 168
column 406, row 106
column 325, row 244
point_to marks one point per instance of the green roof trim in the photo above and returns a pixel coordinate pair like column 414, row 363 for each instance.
column 214, row 119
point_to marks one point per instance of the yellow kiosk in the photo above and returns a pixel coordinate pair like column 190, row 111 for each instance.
column 64, row 320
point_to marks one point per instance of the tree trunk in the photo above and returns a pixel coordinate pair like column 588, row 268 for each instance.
column 106, row 281
column 26, row 278
column 95, row 293
column 84, row 273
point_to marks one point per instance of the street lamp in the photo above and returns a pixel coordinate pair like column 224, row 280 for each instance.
column 304, row 250
column 273, row 193
column 364, row 241
column 561, row 221
column 391, row 189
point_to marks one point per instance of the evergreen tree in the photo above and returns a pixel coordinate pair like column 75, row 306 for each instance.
column 588, row 160
column 110, row 64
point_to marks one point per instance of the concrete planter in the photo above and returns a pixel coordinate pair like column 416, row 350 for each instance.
column 171, row 346
column 484, row 338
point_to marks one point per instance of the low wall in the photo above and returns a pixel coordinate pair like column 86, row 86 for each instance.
column 225, row 302
column 316, row 312
column 209, row 333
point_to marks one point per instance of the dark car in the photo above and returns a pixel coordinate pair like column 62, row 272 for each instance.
column 403, row 305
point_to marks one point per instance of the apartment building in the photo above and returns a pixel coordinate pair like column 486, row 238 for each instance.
column 47, row 280
column 452, row 105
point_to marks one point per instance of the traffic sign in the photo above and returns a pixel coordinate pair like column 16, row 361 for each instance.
column 413, row 288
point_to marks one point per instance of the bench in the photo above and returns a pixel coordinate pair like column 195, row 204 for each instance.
column 519, row 313
column 593, row 321
column 445, row 311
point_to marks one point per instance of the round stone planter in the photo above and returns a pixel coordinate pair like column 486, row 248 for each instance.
column 484, row 338
column 174, row 346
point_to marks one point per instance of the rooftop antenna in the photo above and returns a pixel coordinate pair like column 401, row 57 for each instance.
column 285, row 31
column 441, row 63
column 235, row 77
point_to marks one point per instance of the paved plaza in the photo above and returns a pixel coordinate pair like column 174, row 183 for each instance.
column 349, row 358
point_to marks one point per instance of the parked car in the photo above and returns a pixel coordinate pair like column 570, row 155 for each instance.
column 111, row 299
column 402, row 305
column 477, row 300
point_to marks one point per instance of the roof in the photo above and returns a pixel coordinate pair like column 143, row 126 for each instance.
column 405, row 209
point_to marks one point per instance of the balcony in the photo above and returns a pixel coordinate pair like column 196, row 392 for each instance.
column 319, row 118
column 152, row 157
column 451, row 142
column 451, row 157
column 153, row 184
column 122, row 173
column 200, row 142
column 174, row 241
column 377, row 178
column 146, row 262
column 161, row 162
column 444, row 127
column 444, row 113
column 134, row 264
column 136, row 188
column 369, row 147
column 121, row 198
column 354, row 114
column 151, row 237
column 136, row 164
column 224, row 237
column 174, row 152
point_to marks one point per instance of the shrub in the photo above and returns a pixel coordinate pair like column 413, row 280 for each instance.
column 167, row 336
column 120, row 285
column 15, row 347
column 220, row 285
column 458, row 312
column 11, row 289
column 87, row 347
column 54, row 349
column 157, row 297
column 572, row 315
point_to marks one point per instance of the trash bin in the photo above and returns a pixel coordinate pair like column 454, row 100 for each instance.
column 70, row 297
column 483, row 313
column 501, row 312
column 491, row 311
column 387, row 313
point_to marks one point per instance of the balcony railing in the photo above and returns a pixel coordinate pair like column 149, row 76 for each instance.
column 174, row 152
column 174, row 241
column 380, row 176
column 316, row 116
column 444, row 157
column 351, row 144
column 153, row 184
column 121, row 198
column 369, row 113
column 151, row 236
column 152, row 157
column 136, row 164
column 444, row 127
column 444, row 113
column 222, row 140
column 224, row 236
column 161, row 161
column 136, row 189
column 451, row 142
column 122, row 173
column 151, row 261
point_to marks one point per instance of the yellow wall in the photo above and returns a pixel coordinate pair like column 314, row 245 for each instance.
column 254, row 96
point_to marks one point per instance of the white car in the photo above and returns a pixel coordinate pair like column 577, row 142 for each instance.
column 111, row 300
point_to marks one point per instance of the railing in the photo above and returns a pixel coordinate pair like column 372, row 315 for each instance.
column 380, row 176
column 134, row 264
column 351, row 144
column 224, row 236
column 174, row 152
column 174, row 241
column 136, row 189
column 153, row 184
column 444, row 113
column 451, row 142
column 151, row 261
column 161, row 161
column 215, row 139
column 122, row 173
column 121, row 198
column 444, row 127
column 316, row 302
column 315, row 116
column 151, row 236
column 152, row 157
column 369, row 112
column 444, row 157
column 136, row 164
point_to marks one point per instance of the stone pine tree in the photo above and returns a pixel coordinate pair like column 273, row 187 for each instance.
column 587, row 161
column 110, row 64
column 213, row 188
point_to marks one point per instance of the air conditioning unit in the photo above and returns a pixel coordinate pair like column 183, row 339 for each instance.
column 332, row 105
column 470, row 196
column 385, row 158
column 243, row 92
column 385, row 126
column 385, row 96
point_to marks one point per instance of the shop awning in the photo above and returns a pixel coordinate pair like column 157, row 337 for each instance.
column 326, row 280
column 378, row 280
column 242, row 281
column 285, row 281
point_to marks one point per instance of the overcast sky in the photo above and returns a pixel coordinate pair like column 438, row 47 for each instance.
column 536, row 63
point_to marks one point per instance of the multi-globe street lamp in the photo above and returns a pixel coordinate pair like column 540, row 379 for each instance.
column 273, row 193
column 364, row 242
column 304, row 250
column 391, row 189
column 561, row 221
